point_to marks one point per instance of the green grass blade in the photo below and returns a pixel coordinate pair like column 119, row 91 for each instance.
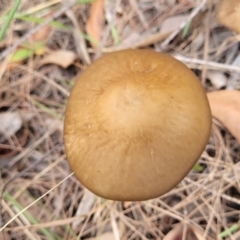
column 229, row 231
column 115, row 35
column 50, row 213
column 30, row 218
column 84, row 1
column 21, row 55
column 55, row 24
column 197, row 168
column 186, row 30
column 45, row 109
column 9, row 19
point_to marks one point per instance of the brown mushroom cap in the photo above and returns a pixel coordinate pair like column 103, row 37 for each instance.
column 136, row 123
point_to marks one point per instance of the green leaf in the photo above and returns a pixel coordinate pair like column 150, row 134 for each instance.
column 115, row 35
column 30, row 218
column 84, row 1
column 21, row 55
column 186, row 30
column 197, row 168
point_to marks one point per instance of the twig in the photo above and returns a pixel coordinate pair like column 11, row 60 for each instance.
column 182, row 25
column 206, row 47
column 37, row 28
column 193, row 63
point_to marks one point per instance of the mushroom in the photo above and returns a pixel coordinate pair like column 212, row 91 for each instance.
column 136, row 122
column 228, row 14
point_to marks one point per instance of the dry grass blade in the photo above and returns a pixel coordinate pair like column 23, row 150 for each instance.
column 78, row 38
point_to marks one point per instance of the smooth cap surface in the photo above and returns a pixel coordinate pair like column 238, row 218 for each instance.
column 136, row 122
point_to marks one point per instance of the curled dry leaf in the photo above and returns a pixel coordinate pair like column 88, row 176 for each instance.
column 10, row 123
column 218, row 79
column 225, row 106
column 63, row 58
column 41, row 35
column 95, row 21
column 175, row 233
column 198, row 233
column 54, row 124
column 104, row 236
column 172, row 23
column 228, row 14
column 84, row 207
column 192, row 233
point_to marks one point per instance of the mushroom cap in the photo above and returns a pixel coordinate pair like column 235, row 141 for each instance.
column 136, row 122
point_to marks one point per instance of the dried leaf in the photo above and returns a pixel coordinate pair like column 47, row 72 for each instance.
column 63, row 58
column 84, row 207
column 54, row 124
column 229, row 14
column 104, row 236
column 127, row 204
column 95, row 21
column 175, row 233
column 225, row 106
column 218, row 79
column 41, row 35
column 192, row 233
column 198, row 233
column 172, row 23
column 10, row 123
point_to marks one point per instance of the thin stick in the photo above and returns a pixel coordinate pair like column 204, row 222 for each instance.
column 193, row 62
column 206, row 47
